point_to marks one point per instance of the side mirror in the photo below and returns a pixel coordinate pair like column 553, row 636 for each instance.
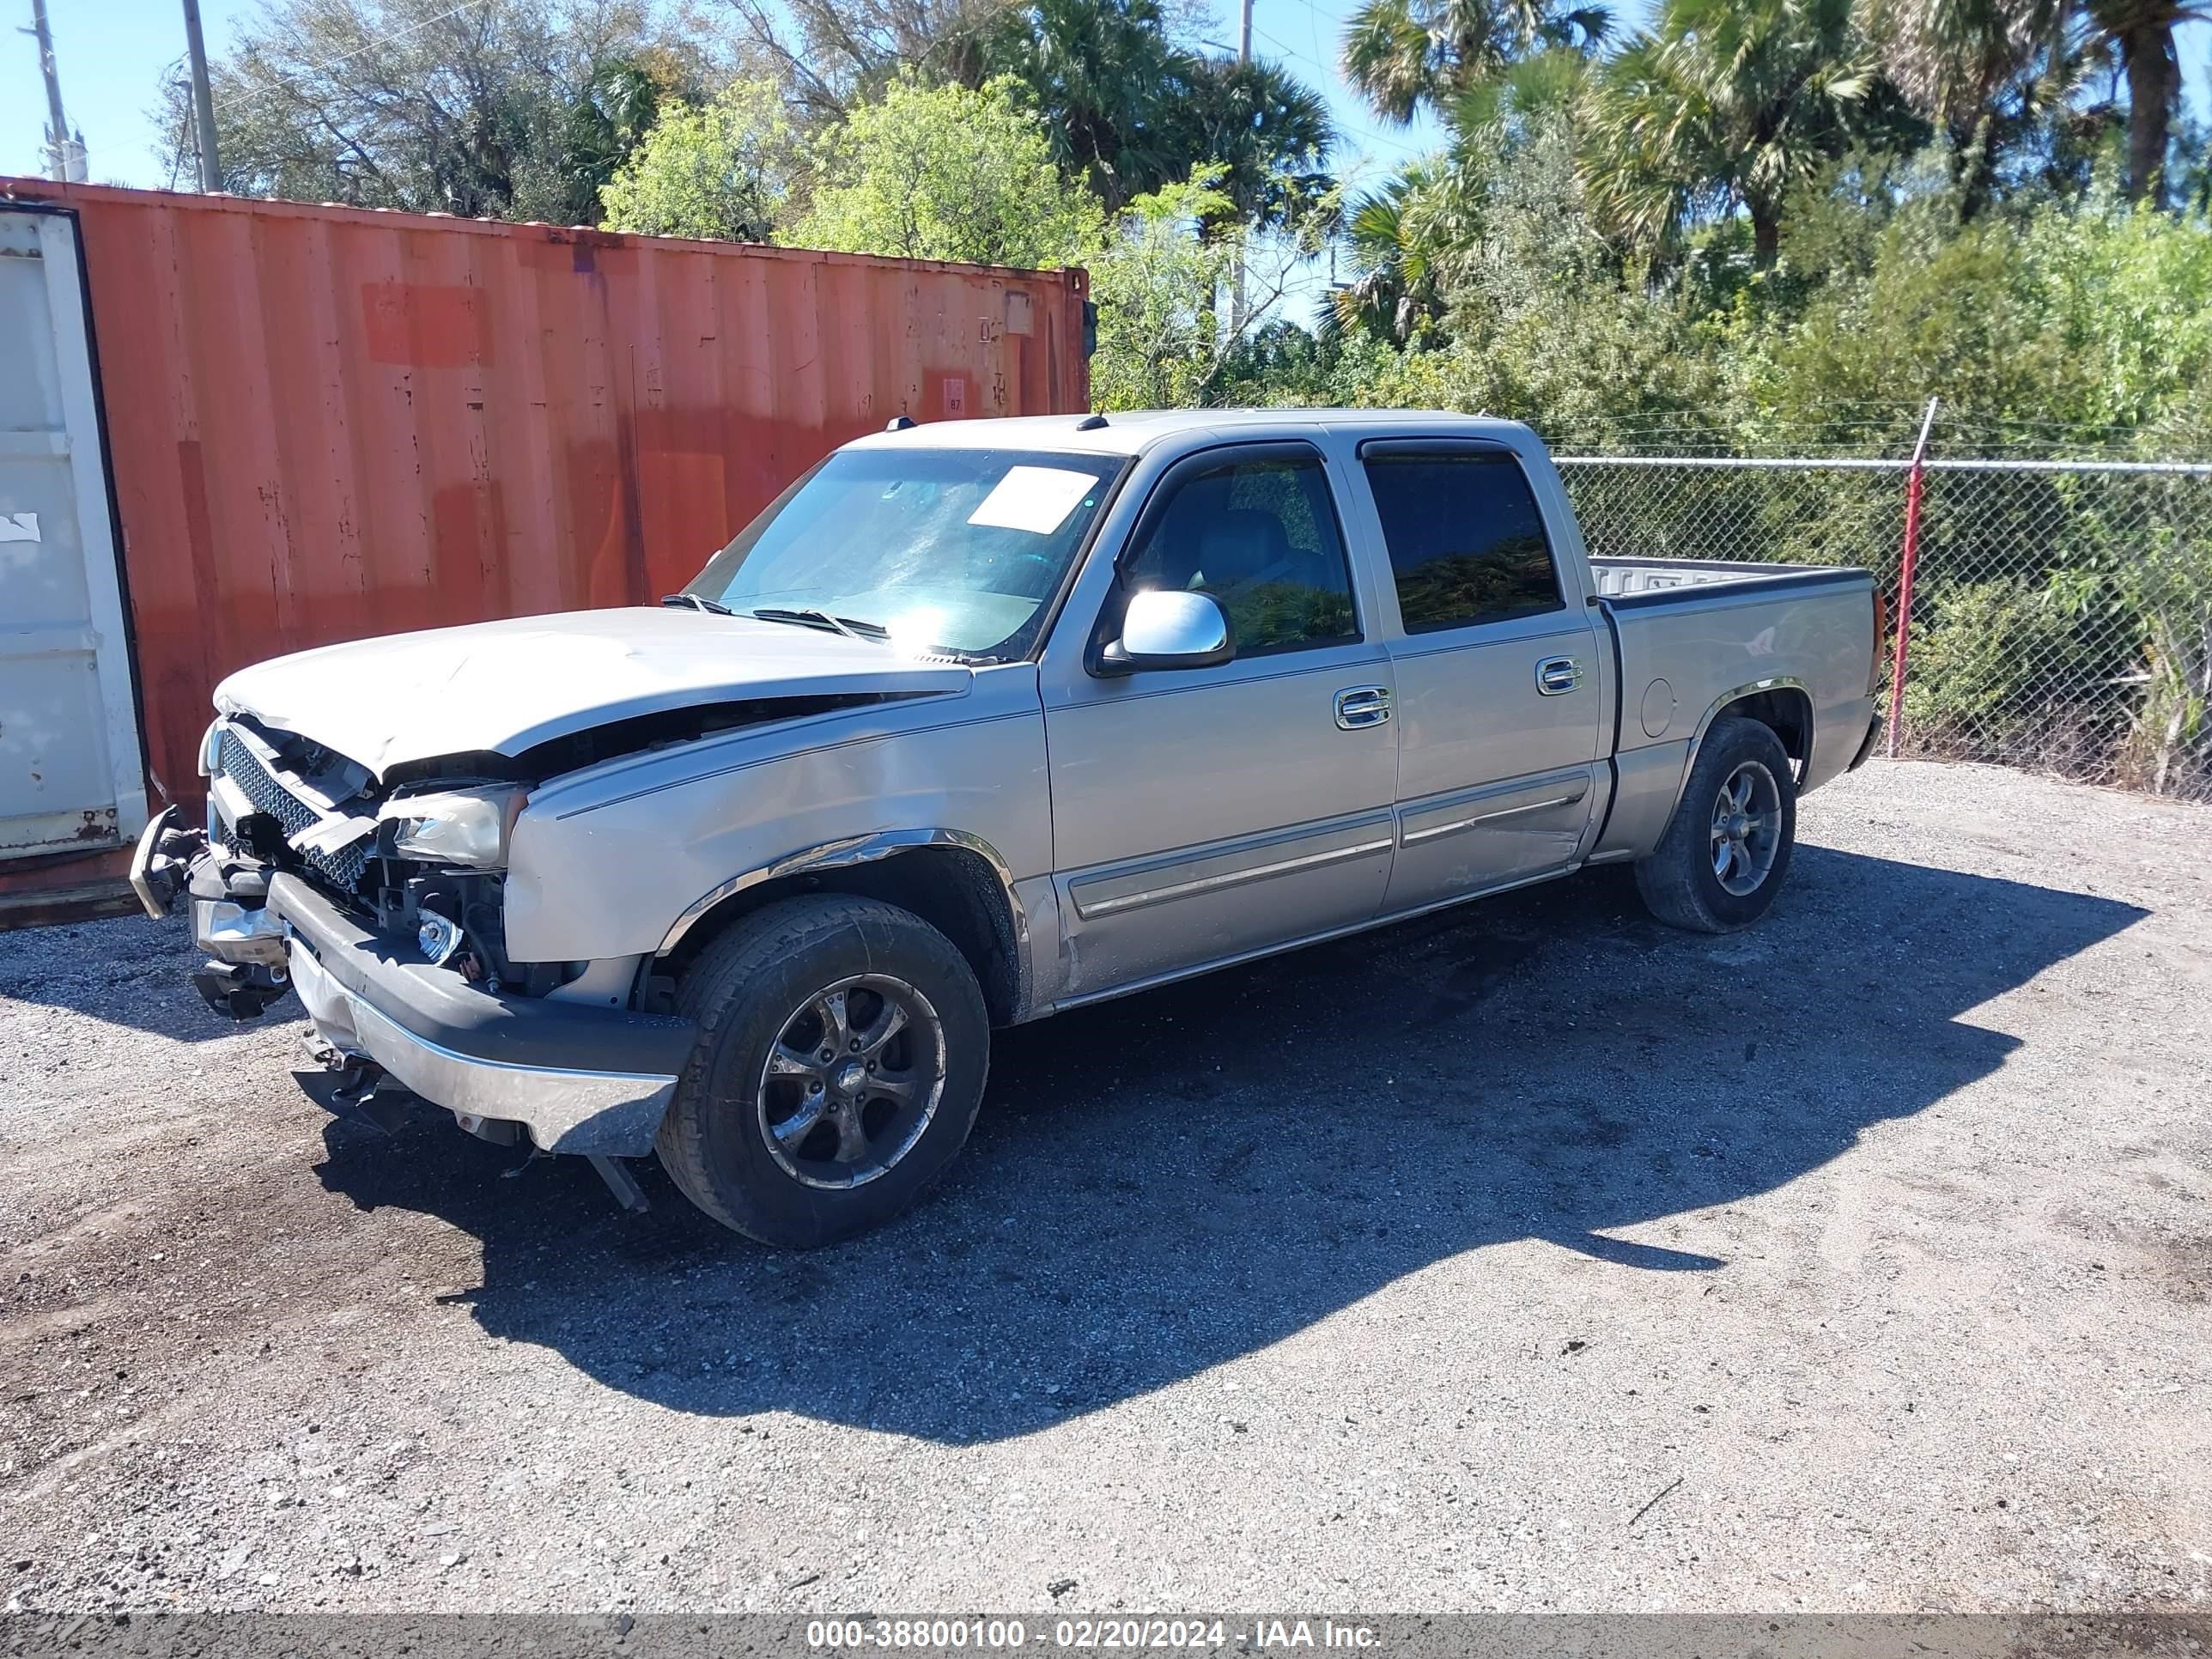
column 1169, row 628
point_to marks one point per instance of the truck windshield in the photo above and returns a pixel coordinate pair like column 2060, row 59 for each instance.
column 953, row 550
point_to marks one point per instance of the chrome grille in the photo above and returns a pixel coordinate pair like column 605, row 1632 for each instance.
column 260, row 785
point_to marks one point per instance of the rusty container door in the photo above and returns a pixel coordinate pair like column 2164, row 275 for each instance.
column 327, row 422
column 71, row 777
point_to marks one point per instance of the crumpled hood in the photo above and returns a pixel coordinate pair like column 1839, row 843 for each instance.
column 506, row 686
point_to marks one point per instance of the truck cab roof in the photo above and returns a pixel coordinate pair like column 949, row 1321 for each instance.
column 1135, row 431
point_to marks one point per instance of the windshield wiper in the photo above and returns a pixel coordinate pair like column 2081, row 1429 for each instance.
column 807, row 616
column 695, row 602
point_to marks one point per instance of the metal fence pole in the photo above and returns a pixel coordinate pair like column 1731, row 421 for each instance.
column 1908, row 562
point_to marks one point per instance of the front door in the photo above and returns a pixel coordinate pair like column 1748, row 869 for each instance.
column 1199, row 815
column 1499, row 693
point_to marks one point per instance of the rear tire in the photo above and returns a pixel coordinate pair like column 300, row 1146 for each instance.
column 1726, row 849
column 843, row 1044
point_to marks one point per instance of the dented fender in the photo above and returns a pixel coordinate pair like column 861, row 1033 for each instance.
column 619, row 860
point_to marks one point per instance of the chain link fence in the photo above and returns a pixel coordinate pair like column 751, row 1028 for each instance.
column 2061, row 610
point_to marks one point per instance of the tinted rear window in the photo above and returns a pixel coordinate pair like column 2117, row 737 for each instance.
column 1467, row 542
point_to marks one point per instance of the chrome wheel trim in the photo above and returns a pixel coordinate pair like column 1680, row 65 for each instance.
column 850, row 1084
column 1747, row 829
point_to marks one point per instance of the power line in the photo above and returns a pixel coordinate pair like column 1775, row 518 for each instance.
column 1313, row 28
column 1405, row 149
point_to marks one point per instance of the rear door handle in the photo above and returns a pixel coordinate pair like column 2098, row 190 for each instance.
column 1359, row 706
column 1557, row 676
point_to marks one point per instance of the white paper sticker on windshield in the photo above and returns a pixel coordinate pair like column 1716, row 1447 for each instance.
column 1037, row 499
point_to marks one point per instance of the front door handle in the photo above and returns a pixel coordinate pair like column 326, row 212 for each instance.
column 1557, row 676
column 1360, row 706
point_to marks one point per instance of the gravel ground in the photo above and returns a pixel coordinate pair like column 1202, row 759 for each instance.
column 1531, row 1258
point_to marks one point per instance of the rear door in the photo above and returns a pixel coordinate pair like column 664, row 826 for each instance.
column 1204, row 814
column 71, row 777
column 1499, row 686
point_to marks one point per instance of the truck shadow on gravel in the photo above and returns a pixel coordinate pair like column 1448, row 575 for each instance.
column 122, row 970
column 1160, row 1185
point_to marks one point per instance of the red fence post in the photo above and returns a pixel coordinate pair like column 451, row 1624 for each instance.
column 1907, row 563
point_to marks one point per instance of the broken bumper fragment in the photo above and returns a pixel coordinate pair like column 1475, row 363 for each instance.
column 165, row 854
column 247, row 970
column 578, row 1079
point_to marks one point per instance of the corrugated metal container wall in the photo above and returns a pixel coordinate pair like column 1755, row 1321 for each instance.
column 325, row 422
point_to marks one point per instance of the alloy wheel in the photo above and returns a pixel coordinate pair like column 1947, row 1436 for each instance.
column 1747, row 829
column 852, row 1081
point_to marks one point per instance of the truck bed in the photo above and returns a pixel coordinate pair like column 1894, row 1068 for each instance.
column 1691, row 635
column 1627, row 578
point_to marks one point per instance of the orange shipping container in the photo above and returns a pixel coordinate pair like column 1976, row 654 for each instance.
column 324, row 423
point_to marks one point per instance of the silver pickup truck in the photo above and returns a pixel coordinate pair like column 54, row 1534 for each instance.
column 979, row 721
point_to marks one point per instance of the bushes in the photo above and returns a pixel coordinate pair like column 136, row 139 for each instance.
column 1997, row 670
column 2168, row 585
column 719, row 172
column 943, row 172
column 2067, row 316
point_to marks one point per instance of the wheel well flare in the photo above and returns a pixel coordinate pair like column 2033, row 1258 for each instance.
column 960, row 892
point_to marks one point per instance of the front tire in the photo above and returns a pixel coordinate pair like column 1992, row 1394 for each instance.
column 843, row 1044
column 1726, row 851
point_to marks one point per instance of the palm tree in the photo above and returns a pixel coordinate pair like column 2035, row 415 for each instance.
column 1130, row 111
column 1397, row 289
column 1095, row 68
column 1424, row 239
column 1988, row 73
column 1724, row 105
column 2141, row 33
column 1402, row 54
column 1991, row 71
column 1268, row 129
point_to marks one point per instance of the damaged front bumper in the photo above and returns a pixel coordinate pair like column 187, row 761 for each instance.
column 576, row 1078
column 579, row 1079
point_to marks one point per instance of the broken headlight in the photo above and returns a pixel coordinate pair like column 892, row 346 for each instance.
column 464, row 827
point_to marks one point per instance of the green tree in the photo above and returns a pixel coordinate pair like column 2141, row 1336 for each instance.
column 1431, row 233
column 1725, row 104
column 1401, row 55
column 1398, row 289
column 1267, row 131
column 720, row 171
column 2140, row 34
column 831, row 55
column 1098, row 69
column 2083, row 314
column 1130, row 110
column 1281, row 363
column 1156, row 281
column 1528, row 313
column 606, row 119
column 1991, row 75
column 947, row 173
column 505, row 109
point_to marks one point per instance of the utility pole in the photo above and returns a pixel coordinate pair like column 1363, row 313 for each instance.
column 203, row 100
column 1236, row 265
column 64, row 155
